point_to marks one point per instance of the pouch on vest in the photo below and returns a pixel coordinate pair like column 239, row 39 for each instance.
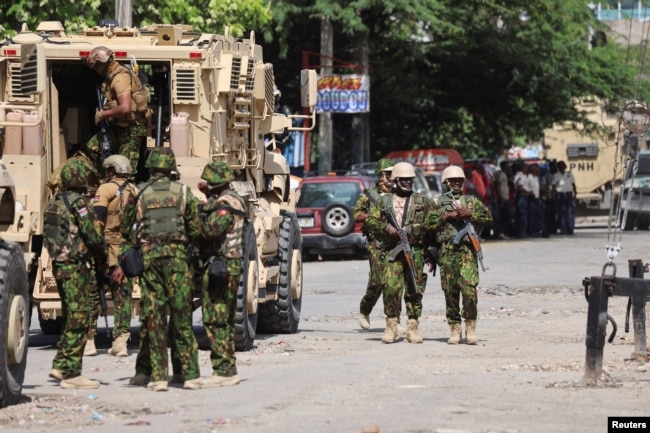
column 218, row 271
column 131, row 262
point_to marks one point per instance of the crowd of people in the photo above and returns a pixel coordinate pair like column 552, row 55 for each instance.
column 527, row 200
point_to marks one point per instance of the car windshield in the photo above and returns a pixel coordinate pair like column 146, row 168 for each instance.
column 322, row 194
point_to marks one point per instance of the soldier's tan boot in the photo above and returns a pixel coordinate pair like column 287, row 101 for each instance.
column 470, row 332
column 90, row 349
column 159, row 386
column 56, row 374
column 364, row 321
column 119, row 347
column 412, row 331
column 455, row 333
column 79, row 382
column 215, row 381
column 391, row 334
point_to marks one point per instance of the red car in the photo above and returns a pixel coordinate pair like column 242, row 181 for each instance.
column 325, row 214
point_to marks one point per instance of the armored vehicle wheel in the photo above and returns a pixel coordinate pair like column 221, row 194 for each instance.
column 282, row 315
column 247, row 293
column 14, row 322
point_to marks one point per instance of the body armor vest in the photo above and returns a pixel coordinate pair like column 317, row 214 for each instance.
column 450, row 228
column 61, row 233
column 231, row 246
column 139, row 95
column 162, row 205
column 414, row 217
column 116, row 206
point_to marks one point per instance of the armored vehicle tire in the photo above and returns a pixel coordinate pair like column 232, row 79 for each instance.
column 338, row 219
column 50, row 326
column 247, row 293
column 14, row 322
column 283, row 315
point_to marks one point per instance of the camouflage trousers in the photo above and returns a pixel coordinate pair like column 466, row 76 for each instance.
column 373, row 289
column 459, row 277
column 395, row 280
column 122, row 304
column 219, row 305
column 75, row 282
column 166, row 287
column 132, row 143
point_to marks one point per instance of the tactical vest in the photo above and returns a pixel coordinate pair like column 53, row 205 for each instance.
column 415, row 216
column 449, row 229
column 116, row 206
column 139, row 95
column 162, row 206
column 61, row 233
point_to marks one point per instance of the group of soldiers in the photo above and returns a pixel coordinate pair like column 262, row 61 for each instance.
column 405, row 231
column 136, row 227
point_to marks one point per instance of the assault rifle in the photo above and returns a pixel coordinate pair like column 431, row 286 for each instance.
column 470, row 232
column 402, row 247
column 101, row 287
column 105, row 142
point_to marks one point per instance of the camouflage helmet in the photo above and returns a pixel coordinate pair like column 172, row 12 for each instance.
column 91, row 149
column 161, row 158
column 217, row 173
column 99, row 54
column 120, row 164
column 76, row 174
column 384, row 164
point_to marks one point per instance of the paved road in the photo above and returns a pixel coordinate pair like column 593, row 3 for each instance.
column 523, row 376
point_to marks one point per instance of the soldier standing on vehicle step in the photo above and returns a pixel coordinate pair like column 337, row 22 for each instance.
column 366, row 200
column 126, row 105
column 458, row 262
column 75, row 242
column 109, row 203
column 222, row 222
column 165, row 214
column 410, row 209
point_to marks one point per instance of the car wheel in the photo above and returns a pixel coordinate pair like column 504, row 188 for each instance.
column 628, row 224
column 337, row 219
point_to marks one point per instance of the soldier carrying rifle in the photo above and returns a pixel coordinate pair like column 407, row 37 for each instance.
column 454, row 225
column 397, row 219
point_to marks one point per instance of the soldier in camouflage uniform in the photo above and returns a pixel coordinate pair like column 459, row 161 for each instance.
column 410, row 210
column 87, row 154
column 369, row 197
column 458, row 263
column 222, row 222
column 126, row 105
column 165, row 214
column 109, row 203
column 74, row 241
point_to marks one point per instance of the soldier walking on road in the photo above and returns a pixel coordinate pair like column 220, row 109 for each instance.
column 409, row 209
column 366, row 200
column 75, row 242
column 109, row 203
column 165, row 214
column 458, row 261
column 222, row 223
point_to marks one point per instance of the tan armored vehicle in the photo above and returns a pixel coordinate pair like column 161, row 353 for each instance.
column 590, row 158
column 14, row 297
column 212, row 98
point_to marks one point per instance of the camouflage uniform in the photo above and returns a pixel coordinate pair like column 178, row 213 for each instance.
column 365, row 201
column 166, row 218
column 222, row 222
column 458, row 263
column 88, row 155
column 74, row 240
column 128, row 132
column 111, row 199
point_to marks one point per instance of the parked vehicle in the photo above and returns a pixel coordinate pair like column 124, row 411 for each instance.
column 325, row 215
column 635, row 194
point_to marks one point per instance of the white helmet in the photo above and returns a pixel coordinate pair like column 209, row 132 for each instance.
column 452, row 172
column 120, row 163
column 402, row 169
